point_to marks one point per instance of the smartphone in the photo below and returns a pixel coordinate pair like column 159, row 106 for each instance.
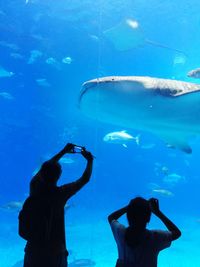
column 77, row 149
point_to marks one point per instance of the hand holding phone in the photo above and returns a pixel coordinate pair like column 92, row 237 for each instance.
column 78, row 149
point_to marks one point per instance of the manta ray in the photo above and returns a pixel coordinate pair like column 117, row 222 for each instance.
column 167, row 108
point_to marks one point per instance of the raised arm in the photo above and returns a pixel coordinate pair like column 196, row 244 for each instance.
column 71, row 188
column 117, row 214
column 154, row 205
column 67, row 149
column 88, row 170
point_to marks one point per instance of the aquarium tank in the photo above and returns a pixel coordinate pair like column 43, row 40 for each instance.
column 120, row 78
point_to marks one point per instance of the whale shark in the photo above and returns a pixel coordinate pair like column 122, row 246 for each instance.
column 169, row 109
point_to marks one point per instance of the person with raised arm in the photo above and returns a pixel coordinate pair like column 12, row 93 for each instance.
column 41, row 220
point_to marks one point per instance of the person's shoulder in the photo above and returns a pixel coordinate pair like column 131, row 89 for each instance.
column 117, row 225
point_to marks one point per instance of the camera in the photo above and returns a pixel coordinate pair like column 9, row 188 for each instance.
column 78, row 149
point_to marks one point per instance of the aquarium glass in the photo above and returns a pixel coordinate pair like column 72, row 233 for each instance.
column 48, row 49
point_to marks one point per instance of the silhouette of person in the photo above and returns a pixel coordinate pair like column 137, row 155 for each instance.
column 49, row 250
column 138, row 246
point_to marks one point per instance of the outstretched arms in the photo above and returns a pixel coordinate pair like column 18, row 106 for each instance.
column 154, row 205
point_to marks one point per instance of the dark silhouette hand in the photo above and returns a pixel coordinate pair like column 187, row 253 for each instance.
column 154, row 205
column 87, row 155
column 68, row 148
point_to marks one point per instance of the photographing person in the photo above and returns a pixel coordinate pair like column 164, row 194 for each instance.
column 41, row 220
column 138, row 246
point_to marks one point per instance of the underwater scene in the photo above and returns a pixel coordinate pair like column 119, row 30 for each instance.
column 121, row 78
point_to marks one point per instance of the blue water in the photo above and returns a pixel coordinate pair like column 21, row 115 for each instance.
column 39, row 114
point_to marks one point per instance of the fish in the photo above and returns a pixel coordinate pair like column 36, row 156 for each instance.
column 155, row 188
column 82, row 263
column 66, row 160
column 121, row 137
column 173, row 179
column 43, row 82
column 34, row 55
column 16, row 56
column 194, row 73
column 179, row 60
column 51, row 60
column 5, row 74
column 166, row 108
column 163, row 192
column 6, row 95
column 165, row 170
column 161, row 169
column 13, row 206
column 9, row 45
column 67, row 60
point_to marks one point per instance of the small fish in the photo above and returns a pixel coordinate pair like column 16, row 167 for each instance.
column 164, row 170
column 153, row 186
column 173, row 178
column 179, row 60
column 67, row 60
column 82, row 263
column 53, row 62
column 66, row 160
column 43, row 82
column 13, row 205
column 163, row 192
column 34, row 55
column 120, row 137
column 5, row 74
column 194, row 73
column 16, row 56
column 9, row 45
column 6, row 95
column 94, row 37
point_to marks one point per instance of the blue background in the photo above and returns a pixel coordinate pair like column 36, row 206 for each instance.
column 36, row 121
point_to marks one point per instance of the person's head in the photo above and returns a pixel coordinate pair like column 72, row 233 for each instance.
column 50, row 172
column 138, row 212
